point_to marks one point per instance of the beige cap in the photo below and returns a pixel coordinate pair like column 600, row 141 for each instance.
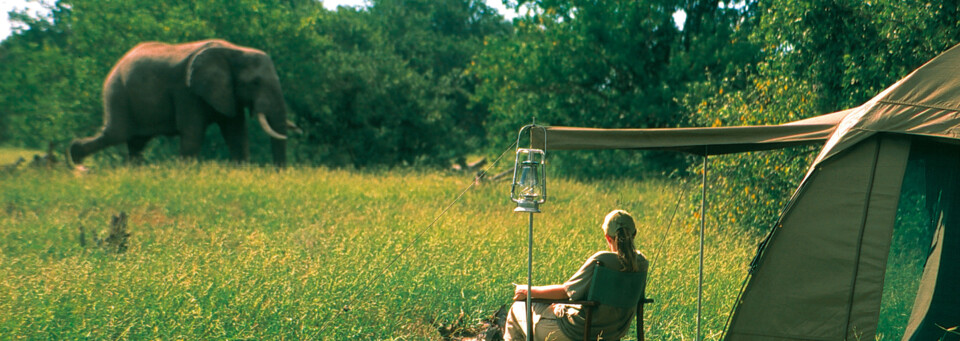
column 619, row 219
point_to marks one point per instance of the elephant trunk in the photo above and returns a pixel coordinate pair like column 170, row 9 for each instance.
column 266, row 127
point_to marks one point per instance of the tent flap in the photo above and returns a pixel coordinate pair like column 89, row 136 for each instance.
column 833, row 290
column 710, row 141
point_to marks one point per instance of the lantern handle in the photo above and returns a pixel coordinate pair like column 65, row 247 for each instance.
column 530, row 128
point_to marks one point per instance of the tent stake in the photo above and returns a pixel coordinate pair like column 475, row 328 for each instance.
column 703, row 222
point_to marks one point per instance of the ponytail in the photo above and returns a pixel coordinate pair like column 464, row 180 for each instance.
column 626, row 251
column 619, row 225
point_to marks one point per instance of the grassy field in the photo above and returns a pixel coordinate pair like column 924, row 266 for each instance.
column 228, row 252
column 9, row 156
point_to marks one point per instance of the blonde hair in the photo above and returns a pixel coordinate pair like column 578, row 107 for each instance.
column 620, row 225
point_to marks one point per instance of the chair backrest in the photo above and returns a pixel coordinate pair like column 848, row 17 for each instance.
column 615, row 288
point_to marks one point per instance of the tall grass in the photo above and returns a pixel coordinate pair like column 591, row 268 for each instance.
column 228, row 252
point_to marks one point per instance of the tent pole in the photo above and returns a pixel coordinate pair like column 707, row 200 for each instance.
column 703, row 223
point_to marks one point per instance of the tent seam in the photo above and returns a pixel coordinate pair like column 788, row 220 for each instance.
column 918, row 105
column 863, row 224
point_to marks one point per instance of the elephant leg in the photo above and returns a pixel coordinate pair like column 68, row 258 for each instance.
column 235, row 135
column 191, row 140
column 135, row 146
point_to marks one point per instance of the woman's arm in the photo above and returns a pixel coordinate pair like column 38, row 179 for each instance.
column 553, row 292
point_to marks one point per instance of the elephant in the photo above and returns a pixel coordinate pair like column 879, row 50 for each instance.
column 163, row 89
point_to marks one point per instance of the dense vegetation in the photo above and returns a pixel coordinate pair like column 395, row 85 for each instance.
column 421, row 82
column 382, row 86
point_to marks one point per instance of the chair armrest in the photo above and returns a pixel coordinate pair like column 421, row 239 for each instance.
column 564, row 301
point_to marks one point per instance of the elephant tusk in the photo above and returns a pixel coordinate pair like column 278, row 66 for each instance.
column 266, row 127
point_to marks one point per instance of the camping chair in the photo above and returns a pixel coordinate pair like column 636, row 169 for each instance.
column 613, row 288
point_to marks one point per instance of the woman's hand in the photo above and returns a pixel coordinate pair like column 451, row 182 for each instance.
column 552, row 292
column 520, row 292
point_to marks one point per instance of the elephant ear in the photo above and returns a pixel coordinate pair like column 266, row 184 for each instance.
column 210, row 77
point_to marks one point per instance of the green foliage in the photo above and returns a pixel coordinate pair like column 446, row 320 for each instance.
column 609, row 64
column 850, row 51
column 367, row 89
column 420, row 82
column 753, row 187
column 812, row 57
column 909, row 249
column 36, row 92
column 584, row 63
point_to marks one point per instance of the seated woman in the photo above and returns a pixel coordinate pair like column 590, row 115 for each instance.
column 563, row 321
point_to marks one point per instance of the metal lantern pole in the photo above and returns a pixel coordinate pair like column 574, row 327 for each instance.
column 529, row 177
column 703, row 223
column 530, row 279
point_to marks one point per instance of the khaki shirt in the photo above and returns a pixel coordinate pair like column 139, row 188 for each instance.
column 611, row 322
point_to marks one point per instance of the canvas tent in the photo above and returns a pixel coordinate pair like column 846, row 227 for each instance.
column 819, row 274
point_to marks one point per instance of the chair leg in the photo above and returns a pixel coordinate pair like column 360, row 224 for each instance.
column 640, row 321
column 589, row 318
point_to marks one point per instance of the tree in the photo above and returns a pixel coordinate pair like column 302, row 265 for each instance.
column 609, row 64
column 397, row 91
column 382, row 89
